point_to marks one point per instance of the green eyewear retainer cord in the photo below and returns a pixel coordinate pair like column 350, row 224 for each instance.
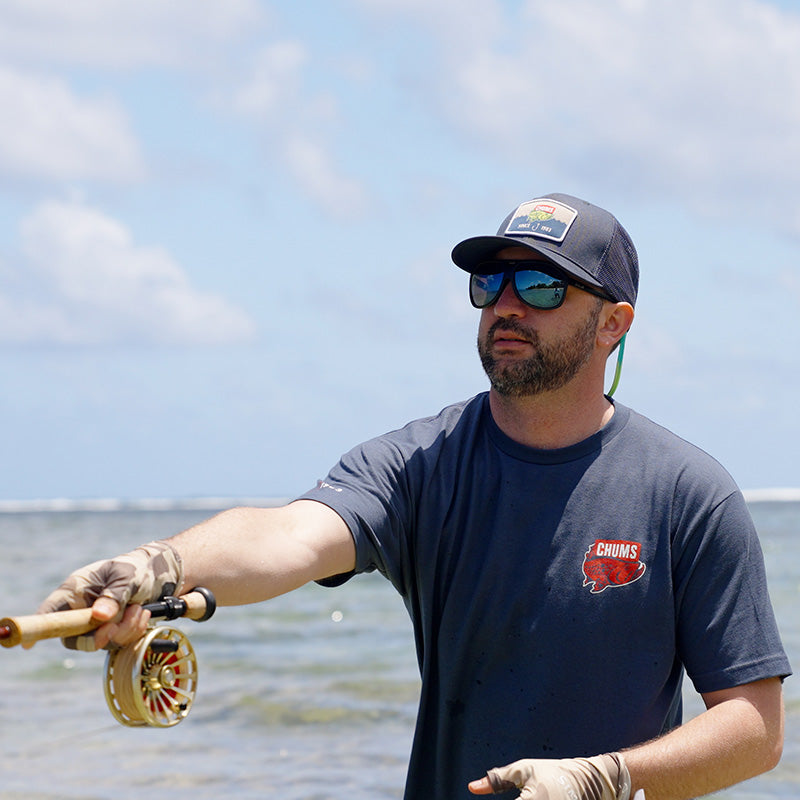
column 618, row 371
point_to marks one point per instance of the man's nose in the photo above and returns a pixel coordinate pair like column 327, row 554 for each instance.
column 508, row 304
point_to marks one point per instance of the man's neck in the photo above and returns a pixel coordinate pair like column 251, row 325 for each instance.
column 552, row 419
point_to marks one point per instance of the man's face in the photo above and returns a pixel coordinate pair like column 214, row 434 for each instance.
column 527, row 351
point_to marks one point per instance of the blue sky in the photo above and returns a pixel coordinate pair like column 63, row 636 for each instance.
column 225, row 227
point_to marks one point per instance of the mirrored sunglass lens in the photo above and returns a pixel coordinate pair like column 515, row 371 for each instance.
column 539, row 289
column 483, row 289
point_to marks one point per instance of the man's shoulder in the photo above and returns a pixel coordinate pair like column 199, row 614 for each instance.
column 461, row 415
column 643, row 426
column 674, row 452
column 424, row 433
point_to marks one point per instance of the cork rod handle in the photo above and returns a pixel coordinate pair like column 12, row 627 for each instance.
column 197, row 605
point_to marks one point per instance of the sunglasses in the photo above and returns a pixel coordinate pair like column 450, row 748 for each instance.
column 534, row 287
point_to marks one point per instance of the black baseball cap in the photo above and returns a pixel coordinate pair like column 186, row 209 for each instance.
column 582, row 240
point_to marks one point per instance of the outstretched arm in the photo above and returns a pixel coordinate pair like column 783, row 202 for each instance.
column 246, row 555
column 243, row 555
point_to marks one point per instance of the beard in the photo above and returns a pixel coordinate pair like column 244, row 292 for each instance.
column 551, row 366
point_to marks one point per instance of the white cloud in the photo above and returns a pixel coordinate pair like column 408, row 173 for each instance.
column 462, row 22
column 187, row 34
column 53, row 133
column 274, row 80
column 314, row 168
column 59, row 134
column 788, row 284
column 297, row 125
column 84, row 281
column 697, row 101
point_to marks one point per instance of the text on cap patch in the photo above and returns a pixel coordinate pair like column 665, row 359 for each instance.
column 543, row 219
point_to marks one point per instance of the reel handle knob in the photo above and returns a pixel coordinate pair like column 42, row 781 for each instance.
column 199, row 605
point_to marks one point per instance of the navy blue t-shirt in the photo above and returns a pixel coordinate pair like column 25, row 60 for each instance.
column 556, row 595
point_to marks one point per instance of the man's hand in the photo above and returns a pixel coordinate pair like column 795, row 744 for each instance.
column 115, row 589
column 599, row 778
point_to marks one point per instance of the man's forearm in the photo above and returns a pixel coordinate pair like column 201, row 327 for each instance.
column 739, row 736
column 246, row 555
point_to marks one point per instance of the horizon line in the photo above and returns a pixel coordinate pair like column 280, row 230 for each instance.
column 110, row 504
column 219, row 503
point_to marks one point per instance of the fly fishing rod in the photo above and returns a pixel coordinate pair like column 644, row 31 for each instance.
column 150, row 682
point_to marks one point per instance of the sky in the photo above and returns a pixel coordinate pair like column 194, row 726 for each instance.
column 225, row 228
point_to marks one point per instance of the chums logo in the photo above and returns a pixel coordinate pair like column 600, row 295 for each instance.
column 612, row 563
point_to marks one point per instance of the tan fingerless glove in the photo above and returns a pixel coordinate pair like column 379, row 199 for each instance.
column 149, row 572
column 599, row 778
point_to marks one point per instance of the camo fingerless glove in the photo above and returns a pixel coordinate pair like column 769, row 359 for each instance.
column 148, row 573
column 603, row 777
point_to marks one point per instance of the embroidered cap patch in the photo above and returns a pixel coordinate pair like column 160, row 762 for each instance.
column 543, row 218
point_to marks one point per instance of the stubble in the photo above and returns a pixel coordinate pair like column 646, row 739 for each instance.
column 551, row 366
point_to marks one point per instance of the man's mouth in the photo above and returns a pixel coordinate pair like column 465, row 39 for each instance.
column 509, row 337
column 502, row 337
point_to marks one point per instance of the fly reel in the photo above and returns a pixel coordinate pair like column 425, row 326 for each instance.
column 153, row 681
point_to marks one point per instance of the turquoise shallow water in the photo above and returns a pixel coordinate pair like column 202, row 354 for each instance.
column 309, row 696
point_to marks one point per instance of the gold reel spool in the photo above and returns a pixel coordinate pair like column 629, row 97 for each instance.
column 152, row 682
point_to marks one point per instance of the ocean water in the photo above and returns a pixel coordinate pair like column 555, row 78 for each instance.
column 311, row 696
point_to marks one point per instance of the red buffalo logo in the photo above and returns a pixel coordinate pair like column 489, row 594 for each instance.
column 612, row 563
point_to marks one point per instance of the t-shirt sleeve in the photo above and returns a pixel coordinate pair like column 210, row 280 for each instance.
column 369, row 490
column 727, row 633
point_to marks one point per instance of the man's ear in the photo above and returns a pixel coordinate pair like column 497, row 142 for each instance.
column 615, row 321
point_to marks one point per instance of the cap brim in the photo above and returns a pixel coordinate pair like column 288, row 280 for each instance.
column 469, row 254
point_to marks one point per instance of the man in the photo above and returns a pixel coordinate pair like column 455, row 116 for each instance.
column 562, row 558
